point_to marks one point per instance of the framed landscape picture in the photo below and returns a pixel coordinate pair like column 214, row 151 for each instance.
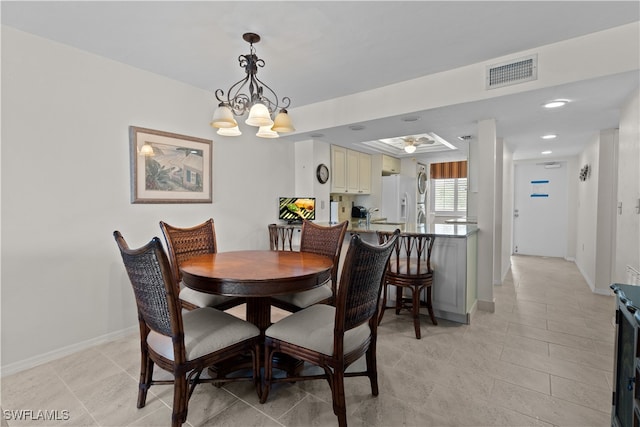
column 169, row 168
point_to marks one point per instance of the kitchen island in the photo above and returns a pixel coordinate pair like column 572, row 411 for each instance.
column 454, row 260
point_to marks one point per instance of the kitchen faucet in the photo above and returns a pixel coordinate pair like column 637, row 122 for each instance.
column 369, row 212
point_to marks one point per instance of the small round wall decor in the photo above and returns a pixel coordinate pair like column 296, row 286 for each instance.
column 322, row 173
column 585, row 172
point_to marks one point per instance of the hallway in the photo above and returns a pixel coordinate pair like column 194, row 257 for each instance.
column 544, row 358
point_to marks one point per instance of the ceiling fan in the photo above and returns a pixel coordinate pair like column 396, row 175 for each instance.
column 411, row 142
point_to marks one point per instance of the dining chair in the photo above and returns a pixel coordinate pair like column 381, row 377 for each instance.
column 281, row 237
column 410, row 268
column 323, row 240
column 185, row 243
column 333, row 337
column 182, row 343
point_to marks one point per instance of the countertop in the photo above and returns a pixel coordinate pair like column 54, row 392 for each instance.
column 440, row 230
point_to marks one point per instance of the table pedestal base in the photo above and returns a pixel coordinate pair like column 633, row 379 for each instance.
column 290, row 365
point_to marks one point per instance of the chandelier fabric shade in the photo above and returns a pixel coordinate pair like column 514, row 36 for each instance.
column 259, row 116
column 223, row 118
column 260, row 101
column 266, row 132
column 282, row 122
column 234, row 131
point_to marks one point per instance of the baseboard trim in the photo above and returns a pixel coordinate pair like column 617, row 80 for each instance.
column 34, row 361
column 489, row 306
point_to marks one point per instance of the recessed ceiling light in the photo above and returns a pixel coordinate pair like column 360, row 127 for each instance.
column 546, row 152
column 410, row 119
column 356, row 127
column 549, row 136
column 556, row 103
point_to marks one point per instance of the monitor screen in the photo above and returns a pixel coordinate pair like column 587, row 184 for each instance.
column 295, row 209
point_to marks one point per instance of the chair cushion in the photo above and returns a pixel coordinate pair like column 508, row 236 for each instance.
column 202, row 299
column 412, row 270
column 312, row 328
column 206, row 330
column 306, row 298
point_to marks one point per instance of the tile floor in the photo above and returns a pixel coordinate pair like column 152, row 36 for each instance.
column 544, row 358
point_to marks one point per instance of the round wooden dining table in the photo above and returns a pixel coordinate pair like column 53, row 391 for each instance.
column 256, row 275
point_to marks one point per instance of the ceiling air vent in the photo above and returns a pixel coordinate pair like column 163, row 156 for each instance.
column 512, row 72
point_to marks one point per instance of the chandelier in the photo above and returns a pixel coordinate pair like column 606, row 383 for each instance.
column 260, row 101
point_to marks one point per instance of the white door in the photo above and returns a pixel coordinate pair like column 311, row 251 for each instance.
column 540, row 210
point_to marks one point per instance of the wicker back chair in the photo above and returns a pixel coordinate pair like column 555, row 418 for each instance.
column 281, row 237
column 181, row 344
column 335, row 337
column 320, row 240
column 410, row 268
column 185, row 243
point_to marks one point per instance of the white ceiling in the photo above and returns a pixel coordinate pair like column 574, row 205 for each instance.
column 316, row 51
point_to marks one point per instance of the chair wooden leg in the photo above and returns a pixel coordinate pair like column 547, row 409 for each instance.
column 383, row 307
column 180, row 392
column 430, row 306
column 266, row 382
column 399, row 291
column 339, row 401
column 372, row 368
column 256, row 370
column 415, row 310
column 146, row 374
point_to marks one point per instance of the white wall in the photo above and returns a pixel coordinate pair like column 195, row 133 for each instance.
column 308, row 155
column 586, row 218
column 572, row 207
column 628, row 222
column 498, row 212
column 507, row 209
column 486, row 188
column 65, row 189
column 596, row 211
column 607, row 190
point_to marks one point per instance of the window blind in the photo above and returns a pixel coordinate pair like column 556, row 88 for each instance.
column 450, row 195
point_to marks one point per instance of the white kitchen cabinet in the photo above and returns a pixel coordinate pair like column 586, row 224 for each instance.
column 338, row 169
column 364, row 173
column 353, row 177
column 351, row 171
column 454, row 280
column 390, row 165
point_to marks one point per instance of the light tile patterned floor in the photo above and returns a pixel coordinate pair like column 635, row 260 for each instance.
column 544, row 358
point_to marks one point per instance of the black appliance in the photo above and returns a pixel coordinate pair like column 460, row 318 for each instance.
column 358, row 212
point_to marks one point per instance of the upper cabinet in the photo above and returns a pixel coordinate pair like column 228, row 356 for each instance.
column 351, row 171
column 364, row 173
column 390, row 165
column 338, row 169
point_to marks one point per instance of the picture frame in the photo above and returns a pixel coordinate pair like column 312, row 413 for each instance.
column 169, row 168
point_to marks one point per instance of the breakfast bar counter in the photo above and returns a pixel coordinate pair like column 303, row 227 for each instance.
column 440, row 230
column 454, row 259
